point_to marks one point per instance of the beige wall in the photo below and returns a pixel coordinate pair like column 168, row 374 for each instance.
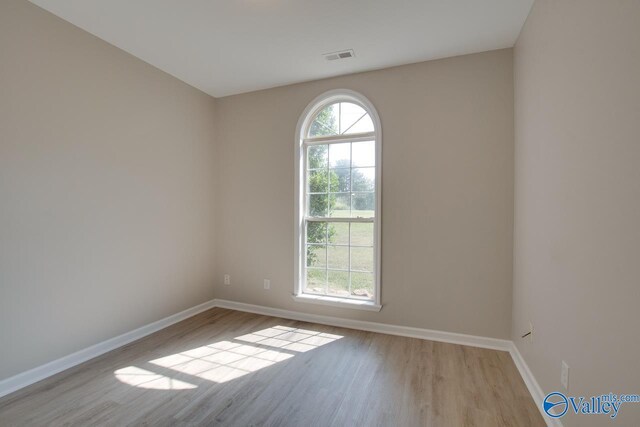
column 106, row 190
column 577, row 204
column 447, row 193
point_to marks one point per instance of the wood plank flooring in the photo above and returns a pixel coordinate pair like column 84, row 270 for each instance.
column 230, row 368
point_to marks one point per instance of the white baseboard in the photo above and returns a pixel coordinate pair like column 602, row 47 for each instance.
column 383, row 328
column 41, row 372
column 534, row 388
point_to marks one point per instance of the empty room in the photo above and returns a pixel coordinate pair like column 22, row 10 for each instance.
column 320, row 213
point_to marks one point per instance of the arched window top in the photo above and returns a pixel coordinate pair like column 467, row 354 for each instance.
column 340, row 118
column 338, row 114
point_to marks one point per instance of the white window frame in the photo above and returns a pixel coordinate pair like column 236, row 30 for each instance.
column 327, row 98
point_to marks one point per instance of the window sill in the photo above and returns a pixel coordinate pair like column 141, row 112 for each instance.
column 337, row 302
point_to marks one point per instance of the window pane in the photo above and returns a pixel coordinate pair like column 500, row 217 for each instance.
column 316, row 232
column 318, row 181
column 318, row 204
column 340, row 180
column 340, row 155
column 316, row 256
column 364, row 154
column 325, row 122
column 364, row 179
column 317, row 156
column 339, row 283
column 365, row 124
column 362, row 259
column 339, row 233
column 362, row 234
column 349, row 115
column 338, row 257
column 340, row 205
column 362, row 285
column 316, row 281
column 363, row 205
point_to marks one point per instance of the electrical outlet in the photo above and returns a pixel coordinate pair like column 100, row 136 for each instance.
column 564, row 375
column 227, row 279
column 267, row 284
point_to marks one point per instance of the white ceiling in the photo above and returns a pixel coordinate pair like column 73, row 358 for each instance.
column 225, row 47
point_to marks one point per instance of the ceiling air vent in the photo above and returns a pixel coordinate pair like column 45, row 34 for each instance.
column 343, row 54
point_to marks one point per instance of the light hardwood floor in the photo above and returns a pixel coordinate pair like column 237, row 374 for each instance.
column 226, row 367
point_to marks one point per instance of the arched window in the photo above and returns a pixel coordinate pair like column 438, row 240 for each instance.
column 338, row 147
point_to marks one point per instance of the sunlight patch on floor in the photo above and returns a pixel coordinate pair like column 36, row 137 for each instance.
column 226, row 360
column 142, row 378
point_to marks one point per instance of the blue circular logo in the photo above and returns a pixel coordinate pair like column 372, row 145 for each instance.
column 558, row 401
